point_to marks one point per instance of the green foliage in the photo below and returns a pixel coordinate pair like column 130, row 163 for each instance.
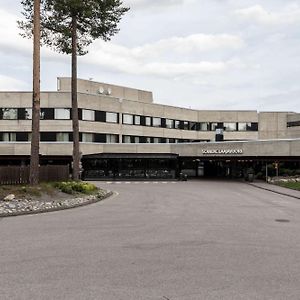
column 290, row 185
column 71, row 187
column 94, row 19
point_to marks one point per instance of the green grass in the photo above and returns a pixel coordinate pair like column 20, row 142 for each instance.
column 25, row 191
column 290, row 185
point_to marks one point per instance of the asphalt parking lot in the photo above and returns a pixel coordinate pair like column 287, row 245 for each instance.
column 160, row 240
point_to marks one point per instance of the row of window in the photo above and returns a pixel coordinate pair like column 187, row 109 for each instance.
column 58, row 114
column 88, row 138
column 127, row 119
column 293, row 124
column 59, row 137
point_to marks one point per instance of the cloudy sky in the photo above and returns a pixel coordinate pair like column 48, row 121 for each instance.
column 204, row 54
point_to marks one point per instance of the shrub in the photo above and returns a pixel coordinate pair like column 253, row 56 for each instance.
column 71, row 187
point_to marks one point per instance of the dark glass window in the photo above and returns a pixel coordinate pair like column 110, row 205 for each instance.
column 22, row 136
column 100, row 116
column 47, row 113
column 193, row 126
column 100, row 138
column 48, row 136
column 293, row 124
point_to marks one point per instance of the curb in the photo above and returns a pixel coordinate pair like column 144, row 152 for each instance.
column 276, row 192
column 41, row 211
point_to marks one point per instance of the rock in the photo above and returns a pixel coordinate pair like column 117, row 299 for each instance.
column 9, row 197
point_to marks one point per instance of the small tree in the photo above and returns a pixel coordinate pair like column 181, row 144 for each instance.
column 69, row 26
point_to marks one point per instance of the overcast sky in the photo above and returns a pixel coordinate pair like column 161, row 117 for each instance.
column 204, row 54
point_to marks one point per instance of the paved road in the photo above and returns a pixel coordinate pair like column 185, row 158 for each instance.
column 183, row 241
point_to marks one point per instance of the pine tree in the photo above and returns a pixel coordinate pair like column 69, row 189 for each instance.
column 69, row 26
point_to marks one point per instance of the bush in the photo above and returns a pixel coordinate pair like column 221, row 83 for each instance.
column 71, row 187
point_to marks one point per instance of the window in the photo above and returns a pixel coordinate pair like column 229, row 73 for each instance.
column 156, row 140
column 137, row 120
column 22, row 136
column 204, row 126
column 293, row 124
column 148, row 121
column 230, row 126
column 186, row 125
column 127, row 119
column 28, row 113
column 9, row 137
column 148, row 140
column 126, row 139
column 136, row 139
column 177, row 124
column 9, row 113
column 62, row 114
column 112, row 117
column 169, row 123
column 88, row 115
column 112, row 138
column 47, row 114
column 193, row 126
column 156, row 122
column 62, row 137
column 248, row 126
column 214, row 126
column 48, row 137
column 87, row 137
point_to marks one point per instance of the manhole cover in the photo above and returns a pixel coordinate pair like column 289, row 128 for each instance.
column 282, row 220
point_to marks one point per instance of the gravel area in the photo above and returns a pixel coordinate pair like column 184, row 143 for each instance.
column 46, row 204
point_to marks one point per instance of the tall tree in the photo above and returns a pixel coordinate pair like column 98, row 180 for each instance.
column 35, row 138
column 69, row 26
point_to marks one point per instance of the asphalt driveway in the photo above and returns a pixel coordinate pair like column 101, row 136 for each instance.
column 176, row 241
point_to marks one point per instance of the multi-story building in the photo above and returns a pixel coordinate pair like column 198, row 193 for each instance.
column 124, row 133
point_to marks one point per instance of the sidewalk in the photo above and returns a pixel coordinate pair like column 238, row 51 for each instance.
column 276, row 189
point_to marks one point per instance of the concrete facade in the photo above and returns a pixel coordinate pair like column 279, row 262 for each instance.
column 273, row 136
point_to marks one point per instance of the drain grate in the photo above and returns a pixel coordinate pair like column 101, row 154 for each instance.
column 282, row 220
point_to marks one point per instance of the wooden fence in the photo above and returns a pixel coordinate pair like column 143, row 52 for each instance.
column 20, row 174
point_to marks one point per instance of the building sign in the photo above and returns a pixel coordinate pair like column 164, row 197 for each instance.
column 222, row 151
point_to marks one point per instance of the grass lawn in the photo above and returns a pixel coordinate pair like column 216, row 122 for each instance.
column 290, row 185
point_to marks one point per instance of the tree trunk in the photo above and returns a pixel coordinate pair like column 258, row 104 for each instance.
column 75, row 122
column 35, row 138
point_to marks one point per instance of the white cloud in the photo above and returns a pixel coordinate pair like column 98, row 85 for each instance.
column 134, row 4
column 10, row 39
column 165, row 57
column 10, row 84
column 289, row 15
